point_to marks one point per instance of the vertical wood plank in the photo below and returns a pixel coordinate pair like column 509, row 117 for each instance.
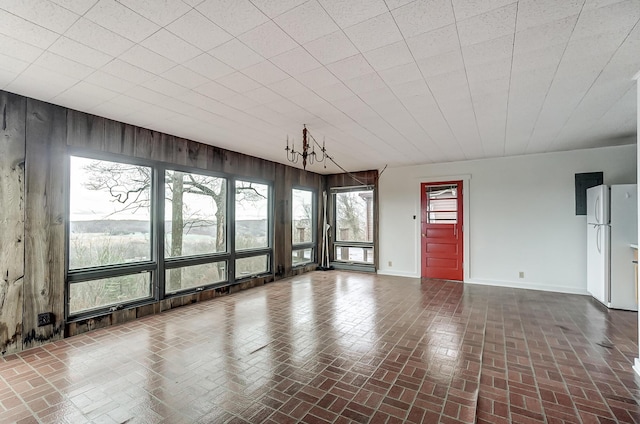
column 85, row 130
column 119, row 138
column 44, row 284
column 12, row 152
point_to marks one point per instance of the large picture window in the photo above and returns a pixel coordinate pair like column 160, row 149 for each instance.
column 140, row 231
column 252, row 229
column 110, row 234
column 302, row 226
column 354, row 226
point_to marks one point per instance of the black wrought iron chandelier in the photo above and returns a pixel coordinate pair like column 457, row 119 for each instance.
column 308, row 153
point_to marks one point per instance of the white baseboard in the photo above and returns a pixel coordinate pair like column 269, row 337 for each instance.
column 528, row 285
column 398, row 273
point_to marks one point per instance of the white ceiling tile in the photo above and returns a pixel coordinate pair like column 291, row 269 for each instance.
column 373, row 33
column 12, row 65
column 238, row 82
column 401, row 74
column 109, row 81
column 288, row 87
column 331, row 48
column 78, row 6
column 620, row 16
column 487, row 51
column 295, row 61
column 386, row 57
column 84, row 96
column 215, row 91
column 147, row 60
column 262, row 95
column 170, row 46
column 334, row 92
column 351, row 67
column 467, row 8
column 493, row 24
column 545, row 35
column 423, row 16
column 196, row 29
column 236, row 54
column 347, row 13
column 164, row 86
column 15, row 27
column 434, row 42
column 208, row 66
column 184, row 77
column 365, row 83
column 416, row 88
column 394, row 4
column 240, row 102
column 234, row 16
column 79, row 52
column 121, row 20
column 378, row 97
column 91, row 34
column 126, row 71
column 40, row 83
column 265, row 73
column 306, row 22
column 162, row 12
column 537, row 12
column 317, row 78
column 43, row 13
column 18, row 49
column 128, row 103
column 268, row 40
column 273, row 8
column 443, row 63
column 63, row 65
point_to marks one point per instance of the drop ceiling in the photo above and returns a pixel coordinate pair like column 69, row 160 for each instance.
column 392, row 82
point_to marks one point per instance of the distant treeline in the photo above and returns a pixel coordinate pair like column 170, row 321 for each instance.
column 253, row 227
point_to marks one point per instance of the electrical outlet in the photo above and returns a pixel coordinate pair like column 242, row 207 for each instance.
column 390, row 263
column 521, row 274
column 45, row 319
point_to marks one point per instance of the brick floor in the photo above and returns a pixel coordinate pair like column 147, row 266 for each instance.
column 339, row 347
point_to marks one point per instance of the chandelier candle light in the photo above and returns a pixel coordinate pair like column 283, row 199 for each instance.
column 306, row 155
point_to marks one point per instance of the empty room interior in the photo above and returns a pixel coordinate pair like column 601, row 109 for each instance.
column 319, row 211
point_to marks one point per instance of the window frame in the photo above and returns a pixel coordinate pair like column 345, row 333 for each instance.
column 257, row 251
column 337, row 244
column 300, row 246
column 159, row 264
column 112, row 270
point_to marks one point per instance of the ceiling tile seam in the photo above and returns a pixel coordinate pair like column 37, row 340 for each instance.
column 513, row 47
column 355, row 94
column 430, row 92
column 38, row 25
column 205, row 17
column 555, row 72
column 596, row 121
column 595, row 80
column 485, row 11
column 466, row 77
column 277, row 16
column 123, row 35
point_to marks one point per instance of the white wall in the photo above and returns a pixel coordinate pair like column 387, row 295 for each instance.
column 520, row 216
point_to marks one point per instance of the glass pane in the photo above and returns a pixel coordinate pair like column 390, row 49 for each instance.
column 302, row 256
column 194, row 214
column 252, row 215
column 302, row 216
column 109, row 213
column 354, row 254
column 195, row 276
column 253, row 265
column 442, row 204
column 108, row 291
column 354, row 216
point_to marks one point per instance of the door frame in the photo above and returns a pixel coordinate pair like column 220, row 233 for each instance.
column 466, row 222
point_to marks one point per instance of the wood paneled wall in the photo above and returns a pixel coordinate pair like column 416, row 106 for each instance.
column 35, row 138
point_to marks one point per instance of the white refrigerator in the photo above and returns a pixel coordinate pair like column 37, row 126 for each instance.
column 612, row 225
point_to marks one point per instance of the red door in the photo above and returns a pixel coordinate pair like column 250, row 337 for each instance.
column 442, row 230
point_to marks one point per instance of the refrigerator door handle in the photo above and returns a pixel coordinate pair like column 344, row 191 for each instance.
column 597, row 209
column 598, row 243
